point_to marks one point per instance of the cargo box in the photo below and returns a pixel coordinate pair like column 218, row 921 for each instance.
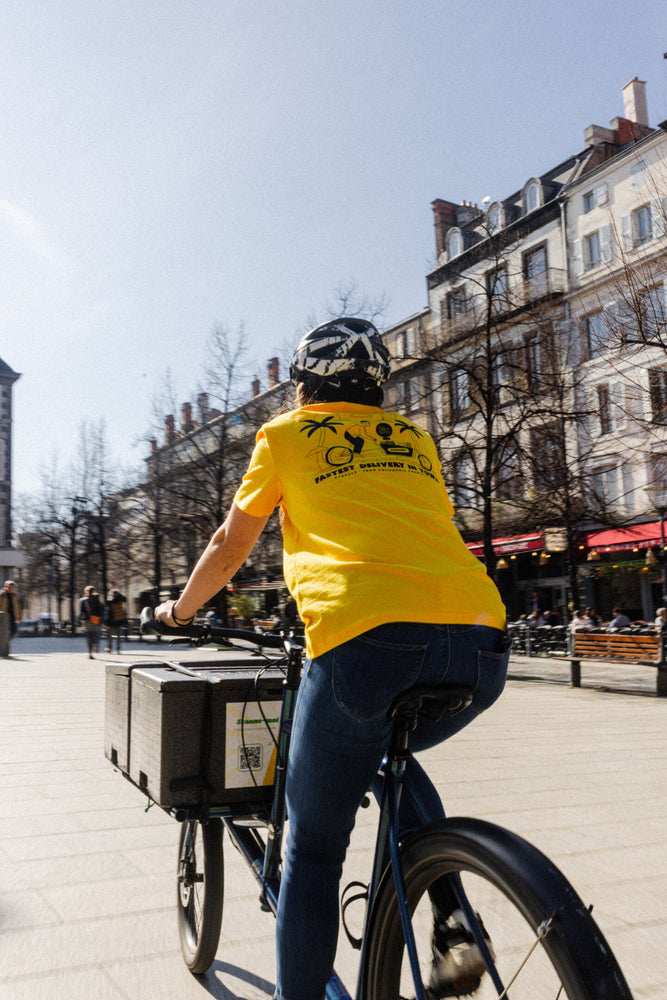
column 194, row 734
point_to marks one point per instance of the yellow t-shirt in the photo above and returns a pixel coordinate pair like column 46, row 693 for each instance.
column 368, row 536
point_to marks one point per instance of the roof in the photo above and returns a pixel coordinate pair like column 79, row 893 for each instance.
column 6, row 372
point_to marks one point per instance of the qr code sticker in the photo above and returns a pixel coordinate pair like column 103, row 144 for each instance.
column 251, row 758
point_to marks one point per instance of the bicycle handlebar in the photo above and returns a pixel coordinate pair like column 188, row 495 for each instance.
column 149, row 624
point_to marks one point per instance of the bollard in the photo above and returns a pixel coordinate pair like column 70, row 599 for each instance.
column 4, row 633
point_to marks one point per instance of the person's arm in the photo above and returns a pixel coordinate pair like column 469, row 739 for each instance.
column 226, row 552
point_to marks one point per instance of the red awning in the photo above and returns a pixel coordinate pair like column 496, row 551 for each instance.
column 506, row 546
column 639, row 536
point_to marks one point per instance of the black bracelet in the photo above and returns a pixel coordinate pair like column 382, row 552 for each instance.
column 182, row 624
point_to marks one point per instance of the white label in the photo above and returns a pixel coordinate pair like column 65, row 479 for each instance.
column 250, row 751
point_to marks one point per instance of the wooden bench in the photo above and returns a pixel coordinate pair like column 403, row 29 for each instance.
column 636, row 648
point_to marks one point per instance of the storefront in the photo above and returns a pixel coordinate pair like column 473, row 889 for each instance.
column 530, row 573
column 624, row 568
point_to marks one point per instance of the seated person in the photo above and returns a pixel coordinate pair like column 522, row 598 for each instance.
column 580, row 622
column 660, row 619
column 618, row 621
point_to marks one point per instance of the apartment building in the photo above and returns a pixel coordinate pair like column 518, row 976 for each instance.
column 548, row 372
column 616, row 236
column 10, row 559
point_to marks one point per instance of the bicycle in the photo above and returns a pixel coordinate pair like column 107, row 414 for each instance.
column 537, row 938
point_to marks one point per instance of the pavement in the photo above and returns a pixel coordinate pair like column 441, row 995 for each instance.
column 87, row 876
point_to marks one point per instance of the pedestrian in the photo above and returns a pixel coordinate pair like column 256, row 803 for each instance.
column 390, row 596
column 10, row 604
column 91, row 612
column 115, row 618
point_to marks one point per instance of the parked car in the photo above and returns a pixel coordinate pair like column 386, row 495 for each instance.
column 28, row 626
column 49, row 622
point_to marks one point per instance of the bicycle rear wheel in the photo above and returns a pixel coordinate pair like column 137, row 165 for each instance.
column 545, row 941
column 200, row 892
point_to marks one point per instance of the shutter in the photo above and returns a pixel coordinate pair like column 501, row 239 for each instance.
column 577, row 258
column 600, row 193
column 627, row 241
column 593, row 408
column 658, row 221
column 634, row 401
column 606, row 248
column 617, row 406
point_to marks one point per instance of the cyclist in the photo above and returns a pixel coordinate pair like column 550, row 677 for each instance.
column 390, row 596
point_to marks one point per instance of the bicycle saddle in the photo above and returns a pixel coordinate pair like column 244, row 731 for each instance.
column 430, row 700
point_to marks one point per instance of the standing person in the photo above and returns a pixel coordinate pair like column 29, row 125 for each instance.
column 10, row 604
column 91, row 612
column 390, row 596
column 115, row 617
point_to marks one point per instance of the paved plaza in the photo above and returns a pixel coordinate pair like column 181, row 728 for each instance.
column 87, row 876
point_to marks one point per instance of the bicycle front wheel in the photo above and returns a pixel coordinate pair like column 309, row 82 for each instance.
column 200, row 892
column 544, row 941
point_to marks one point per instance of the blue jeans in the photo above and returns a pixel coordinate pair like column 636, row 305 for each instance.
column 339, row 738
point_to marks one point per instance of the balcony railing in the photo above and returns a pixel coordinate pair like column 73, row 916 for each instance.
column 519, row 295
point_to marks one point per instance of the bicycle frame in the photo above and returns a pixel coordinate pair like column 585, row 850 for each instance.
column 263, row 859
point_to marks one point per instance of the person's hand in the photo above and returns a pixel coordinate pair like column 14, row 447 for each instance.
column 165, row 613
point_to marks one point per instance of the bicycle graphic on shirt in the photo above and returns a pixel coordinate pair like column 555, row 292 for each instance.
column 362, row 442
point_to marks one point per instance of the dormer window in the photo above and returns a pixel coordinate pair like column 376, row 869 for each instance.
column 454, row 243
column 495, row 218
column 533, row 195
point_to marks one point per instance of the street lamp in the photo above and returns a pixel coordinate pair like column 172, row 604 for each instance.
column 658, row 495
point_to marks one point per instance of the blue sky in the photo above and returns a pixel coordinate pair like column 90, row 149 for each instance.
column 170, row 165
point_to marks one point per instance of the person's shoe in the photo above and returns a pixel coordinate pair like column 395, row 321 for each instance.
column 458, row 966
column 108, row 649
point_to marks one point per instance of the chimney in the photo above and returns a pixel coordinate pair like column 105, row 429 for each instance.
column 202, row 404
column 169, row 430
column 186, row 418
column 153, row 446
column 634, row 101
column 274, row 372
column 255, row 388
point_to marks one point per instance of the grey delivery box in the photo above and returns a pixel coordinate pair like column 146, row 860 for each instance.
column 195, row 734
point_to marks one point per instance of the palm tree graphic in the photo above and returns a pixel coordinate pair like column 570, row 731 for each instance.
column 328, row 424
column 405, row 426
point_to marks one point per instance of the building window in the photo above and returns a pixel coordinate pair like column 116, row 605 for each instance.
column 494, row 218
column 651, row 313
column 454, row 243
column 596, row 333
column 459, row 394
column 533, row 365
column 642, row 226
column 456, row 303
column 403, row 396
column 592, row 251
column 657, row 383
column 509, row 479
column 464, row 483
column 606, row 486
column 535, row 270
column 589, row 202
column 604, row 409
column 405, row 343
column 532, row 196
column 496, row 286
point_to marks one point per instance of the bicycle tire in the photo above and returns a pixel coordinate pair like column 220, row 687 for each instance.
column 515, row 889
column 200, row 889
